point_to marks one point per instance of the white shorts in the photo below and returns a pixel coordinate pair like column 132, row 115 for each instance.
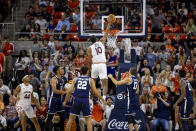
column 99, row 70
column 29, row 112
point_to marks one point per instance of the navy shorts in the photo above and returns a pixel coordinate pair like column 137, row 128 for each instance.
column 55, row 105
column 133, row 106
column 81, row 106
column 185, row 109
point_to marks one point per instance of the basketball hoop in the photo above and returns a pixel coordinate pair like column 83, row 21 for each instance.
column 112, row 36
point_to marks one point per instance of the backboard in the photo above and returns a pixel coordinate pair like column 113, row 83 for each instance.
column 130, row 14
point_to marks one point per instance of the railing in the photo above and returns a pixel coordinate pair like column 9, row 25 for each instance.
column 7, row 29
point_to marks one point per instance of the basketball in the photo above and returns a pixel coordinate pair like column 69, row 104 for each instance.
column 114, row 18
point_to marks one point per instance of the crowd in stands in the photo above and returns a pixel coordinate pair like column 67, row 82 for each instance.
column 5, row 8
column 157, row 65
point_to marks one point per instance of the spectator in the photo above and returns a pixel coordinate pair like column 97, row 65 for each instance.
column 188, row 67
column 26, row 32
column 2, row 63
column 66, row 45
column 157, row 88
column 4, row 90
column 145, row 102
column 80, row 60
column 51, row 26
column 111, row 94
column 157, row 71
column 190, row 27
column 42, row 22
column 62, row 22
column 42, row 3
column 2, row 105
column 11, row 114
column 21, row 65
column 3, row 122
column 98, row 112
column 108, row 108
column 36, row 32
column 35, row 67
column 41, row 113
column 163, row 57
column 8, row 49
column 151, row 58
column 184, row 9
column 31, row 13
column 144, row 67
column 147, row 80
column 76, row 16
column 112, row 62
column 42, row 79
column 35, row 82
column 45, row 14
column 45, row 57
column 162, row 112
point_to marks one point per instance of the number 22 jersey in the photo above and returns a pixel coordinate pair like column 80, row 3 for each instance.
column 98, row 52
column 82, row 87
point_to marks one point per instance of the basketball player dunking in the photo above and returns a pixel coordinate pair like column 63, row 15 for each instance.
column 132, row 95
column 97, row 58
column 81, row 86
column 24, row 97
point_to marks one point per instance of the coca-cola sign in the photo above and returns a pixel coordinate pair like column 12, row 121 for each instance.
column 120, row 125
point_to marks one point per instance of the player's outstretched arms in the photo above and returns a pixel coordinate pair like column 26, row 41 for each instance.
column 70, row 90
column 53, row 84
column 94, row 90
column 121, row 82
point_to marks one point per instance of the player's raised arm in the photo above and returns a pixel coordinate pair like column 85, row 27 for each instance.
column 70, row 90
column 94, row 90
column 104, row 38
column 121, row 82
column 53, row 84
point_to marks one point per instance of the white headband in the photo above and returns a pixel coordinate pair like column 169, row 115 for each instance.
column 25, row 77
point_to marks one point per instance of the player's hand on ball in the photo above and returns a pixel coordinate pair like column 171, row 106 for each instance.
column 110, row 76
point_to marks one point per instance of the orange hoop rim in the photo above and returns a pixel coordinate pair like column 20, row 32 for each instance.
column 112, row 32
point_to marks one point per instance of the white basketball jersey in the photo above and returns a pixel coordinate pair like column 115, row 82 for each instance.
column 98, row 52
column 25, row 95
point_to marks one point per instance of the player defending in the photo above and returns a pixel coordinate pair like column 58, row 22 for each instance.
column 81, row 86
column 133, row 97
column 55, row 103
column 24, row 97
column 185, row 100
column 97, row 58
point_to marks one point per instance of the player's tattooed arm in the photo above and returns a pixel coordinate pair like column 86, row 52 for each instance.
column 182, row 85
column 16, row 92
column 35, row 101
column 71, row 89
column 53, row 84
column 94, row 90
column 121, row 82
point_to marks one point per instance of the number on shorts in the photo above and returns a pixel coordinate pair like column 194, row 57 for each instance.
column 82, row 85
column 135, row 85
column 27, row 96
column 98, row 50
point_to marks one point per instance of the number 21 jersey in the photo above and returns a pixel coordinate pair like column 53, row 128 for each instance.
column 25, row 95
column 82, row 87
column 98, row 52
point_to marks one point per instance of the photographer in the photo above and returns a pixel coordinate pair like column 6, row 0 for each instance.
column 162, row 112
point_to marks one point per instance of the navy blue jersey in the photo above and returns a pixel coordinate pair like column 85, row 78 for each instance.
column 188, row 95
column 59, row 86
column 82, row 87
column 132, row 88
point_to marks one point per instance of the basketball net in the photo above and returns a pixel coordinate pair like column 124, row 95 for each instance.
column 111, row 39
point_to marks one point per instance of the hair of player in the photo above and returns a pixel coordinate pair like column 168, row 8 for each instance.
column 93, row 39
column 133, row 71
column 55, row 69
column 84, row 70
column 182, row 73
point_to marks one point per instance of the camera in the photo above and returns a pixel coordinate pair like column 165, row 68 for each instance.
column 156, row 95
column 95, row 99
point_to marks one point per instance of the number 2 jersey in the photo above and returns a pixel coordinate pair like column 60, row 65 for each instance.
column 25, row 95
column 82, row 87
column 98, row 52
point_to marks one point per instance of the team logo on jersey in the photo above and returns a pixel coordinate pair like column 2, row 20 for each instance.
column 125, row 75
column 121, row 96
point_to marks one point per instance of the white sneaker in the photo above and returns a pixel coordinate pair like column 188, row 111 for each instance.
column 177, row 127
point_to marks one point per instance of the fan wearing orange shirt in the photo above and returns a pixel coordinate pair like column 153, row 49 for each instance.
column 158, row 88
column 80, row 60
column 2, row 62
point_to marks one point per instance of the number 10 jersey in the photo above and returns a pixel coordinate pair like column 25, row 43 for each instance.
column 98, row 52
